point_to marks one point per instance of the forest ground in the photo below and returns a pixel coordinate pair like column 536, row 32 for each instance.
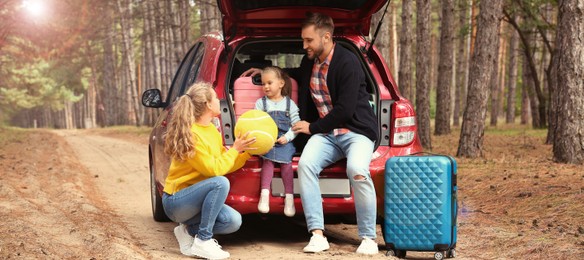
column 84, row 194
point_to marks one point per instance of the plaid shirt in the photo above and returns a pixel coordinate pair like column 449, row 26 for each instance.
column 319, row 90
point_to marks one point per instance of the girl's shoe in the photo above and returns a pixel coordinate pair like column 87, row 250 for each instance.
column 289, row 209
column 264, row 205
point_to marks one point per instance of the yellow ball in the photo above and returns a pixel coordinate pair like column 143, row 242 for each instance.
column 260, row 125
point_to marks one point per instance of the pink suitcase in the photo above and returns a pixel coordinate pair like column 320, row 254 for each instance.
column 245, row 94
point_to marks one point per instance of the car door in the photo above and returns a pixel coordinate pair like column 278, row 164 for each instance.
column 186, row 74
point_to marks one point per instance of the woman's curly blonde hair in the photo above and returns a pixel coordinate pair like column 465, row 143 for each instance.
column 178, row 141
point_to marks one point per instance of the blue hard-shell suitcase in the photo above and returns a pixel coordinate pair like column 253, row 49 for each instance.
column 420, row 205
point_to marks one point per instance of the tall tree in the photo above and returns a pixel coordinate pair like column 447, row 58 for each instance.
column 210, row 16
column 382, row 40
column 406, row 41
column 532, row 24
column 525, row 106
column 494, row 84
column 445, row 69
column 461, row 61
column 512, row 82
column 125, row 11
column 531, row 81
column 482, row 64
column 423, row 68
column 569, row 132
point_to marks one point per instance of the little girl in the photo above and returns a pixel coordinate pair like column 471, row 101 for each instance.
column 276, row 102
column 195, row 189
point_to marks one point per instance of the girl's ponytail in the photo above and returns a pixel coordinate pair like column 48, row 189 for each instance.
column 178, row 141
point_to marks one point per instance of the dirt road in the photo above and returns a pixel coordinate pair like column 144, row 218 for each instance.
column 87, row 196
column 79, row 195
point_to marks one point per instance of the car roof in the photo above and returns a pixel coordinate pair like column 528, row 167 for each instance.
column 284, row 17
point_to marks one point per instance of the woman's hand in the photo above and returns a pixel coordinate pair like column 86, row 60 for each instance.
column 242, row 143
column 251, row 72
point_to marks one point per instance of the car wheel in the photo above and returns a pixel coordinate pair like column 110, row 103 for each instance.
column 156, row 198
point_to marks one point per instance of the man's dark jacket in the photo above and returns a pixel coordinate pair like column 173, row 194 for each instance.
column 348, row 91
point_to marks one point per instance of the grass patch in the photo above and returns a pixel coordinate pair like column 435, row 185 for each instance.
column 516, row 130
column 126, row 132
column 126, row 129
column 12, row 135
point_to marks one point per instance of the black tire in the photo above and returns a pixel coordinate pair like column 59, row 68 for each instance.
column 400, row 253
column 157, row 209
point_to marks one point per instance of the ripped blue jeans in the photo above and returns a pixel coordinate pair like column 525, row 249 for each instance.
column 323, row 150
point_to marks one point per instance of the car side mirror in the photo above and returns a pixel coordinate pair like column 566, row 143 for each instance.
column 152, row 98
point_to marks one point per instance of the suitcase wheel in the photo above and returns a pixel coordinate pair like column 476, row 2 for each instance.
column 439, row 255
column 451, row 253
column 396, row 253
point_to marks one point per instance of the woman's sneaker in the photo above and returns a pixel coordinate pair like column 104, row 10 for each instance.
column 289, row 209
column 185, row 241
column 209, row 249
column 264, row 204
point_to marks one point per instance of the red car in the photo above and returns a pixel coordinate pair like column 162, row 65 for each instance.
column 261, row 33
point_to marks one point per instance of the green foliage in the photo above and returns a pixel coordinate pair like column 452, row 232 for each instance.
column 31, row 85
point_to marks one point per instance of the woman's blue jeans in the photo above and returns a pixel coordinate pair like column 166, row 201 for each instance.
column 201, row 207
column 323, row 150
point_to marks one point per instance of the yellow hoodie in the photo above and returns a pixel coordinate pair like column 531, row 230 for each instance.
column 211, row 159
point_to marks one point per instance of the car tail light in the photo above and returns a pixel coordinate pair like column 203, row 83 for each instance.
column 403, row 123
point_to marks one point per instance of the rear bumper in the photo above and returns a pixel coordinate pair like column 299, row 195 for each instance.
column 245, row 185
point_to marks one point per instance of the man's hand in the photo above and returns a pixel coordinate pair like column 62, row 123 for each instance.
column 301, row 127
column 251, row 72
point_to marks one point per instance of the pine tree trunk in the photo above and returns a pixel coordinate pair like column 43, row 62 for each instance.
column 482, row 64
column 382, row 40
column 109, row 71
column 445, row 69
column 160, row 48
column 473, row 25
column 525, row 106
column 494, row 84
column 125, row 10
column 554, row 98
column 568, row 144
column 210, row 16
column 393, row 62
column 461, row 62
column 406, row 41
column 92, row 95
column 423, row 72
column 169, row 42
column 512, row 82
column 528, row 81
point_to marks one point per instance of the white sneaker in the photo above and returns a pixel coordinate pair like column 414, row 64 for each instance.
column 289, row 209
column 209, row 249
column 368, row 247
column 185, row 241
column 317, row 244
column 264, row 205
